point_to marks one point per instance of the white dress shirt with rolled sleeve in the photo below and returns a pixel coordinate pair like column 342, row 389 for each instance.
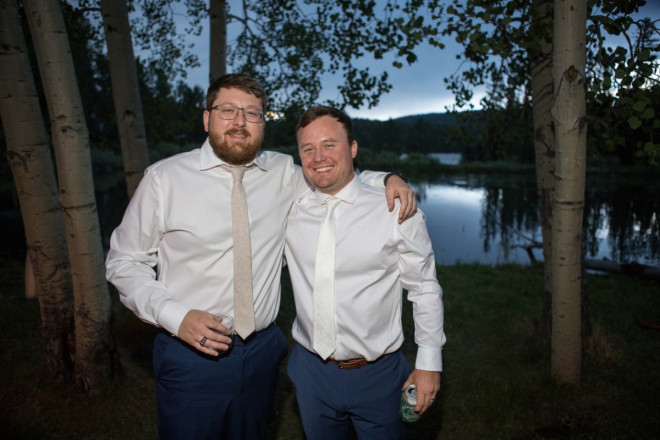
column 375, row 258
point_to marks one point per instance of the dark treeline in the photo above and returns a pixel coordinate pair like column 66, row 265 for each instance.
column 173, row 117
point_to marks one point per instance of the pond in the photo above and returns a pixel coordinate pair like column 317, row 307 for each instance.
column 495, row 219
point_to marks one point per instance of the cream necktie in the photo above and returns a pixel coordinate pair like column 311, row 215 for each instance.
column 324, row 283
column 240, row 226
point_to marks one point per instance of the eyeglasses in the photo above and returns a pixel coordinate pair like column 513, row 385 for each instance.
column 229, row 112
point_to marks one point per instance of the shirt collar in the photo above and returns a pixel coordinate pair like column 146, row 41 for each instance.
column 347, row 194
column 208, row 159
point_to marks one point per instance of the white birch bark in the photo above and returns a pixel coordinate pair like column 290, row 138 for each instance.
column 28, row 153
column 544, row 147
column 569, row 112
column 95, row 354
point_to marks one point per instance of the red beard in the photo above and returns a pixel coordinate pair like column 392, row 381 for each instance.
column 235, row 153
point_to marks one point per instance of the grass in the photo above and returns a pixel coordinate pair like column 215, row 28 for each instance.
column 496, row 383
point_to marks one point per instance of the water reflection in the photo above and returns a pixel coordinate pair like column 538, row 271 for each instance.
column 623, row 223
column 495, row 219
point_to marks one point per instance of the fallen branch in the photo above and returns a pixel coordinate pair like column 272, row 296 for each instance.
column 633, row 269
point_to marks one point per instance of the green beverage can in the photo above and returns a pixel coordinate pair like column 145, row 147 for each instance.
column 408, row 402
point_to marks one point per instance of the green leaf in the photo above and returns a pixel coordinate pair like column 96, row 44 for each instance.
column 634, row 122
column 639, row 106
column 648, row 113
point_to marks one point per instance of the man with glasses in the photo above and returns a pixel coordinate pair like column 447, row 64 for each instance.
column 172, row 260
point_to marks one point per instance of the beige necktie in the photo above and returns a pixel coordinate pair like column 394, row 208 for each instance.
column 240, row 225
column 324, row 284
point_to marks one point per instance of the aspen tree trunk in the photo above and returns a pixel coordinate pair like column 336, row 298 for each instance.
column 125, row 92
column 544, row 147
column 95, row 361
column 569, row 112
column 218, row 55
column 28, row 153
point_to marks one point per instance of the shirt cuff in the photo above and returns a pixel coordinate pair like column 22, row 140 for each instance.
column 429, row 359
column 171, row 316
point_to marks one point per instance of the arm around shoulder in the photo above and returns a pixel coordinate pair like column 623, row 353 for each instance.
column 396, row 187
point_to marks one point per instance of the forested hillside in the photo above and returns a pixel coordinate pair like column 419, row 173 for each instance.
column 428, row 133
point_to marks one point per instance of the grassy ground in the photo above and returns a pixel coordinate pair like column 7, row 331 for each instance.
column 496, row 382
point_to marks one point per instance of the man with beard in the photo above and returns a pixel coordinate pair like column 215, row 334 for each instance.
column 172, row 261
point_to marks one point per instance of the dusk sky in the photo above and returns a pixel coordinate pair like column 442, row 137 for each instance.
column 417, row 89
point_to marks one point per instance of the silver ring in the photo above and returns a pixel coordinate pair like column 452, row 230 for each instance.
column 202, row 342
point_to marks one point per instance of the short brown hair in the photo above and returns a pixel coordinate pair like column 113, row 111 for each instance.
column 313, row 113
column 236, row 81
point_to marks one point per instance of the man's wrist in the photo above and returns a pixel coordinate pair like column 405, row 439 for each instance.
column 394, row 173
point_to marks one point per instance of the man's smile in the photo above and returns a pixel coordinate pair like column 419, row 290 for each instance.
column 324, row 169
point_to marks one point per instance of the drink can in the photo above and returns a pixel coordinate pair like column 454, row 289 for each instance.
column 408, row 402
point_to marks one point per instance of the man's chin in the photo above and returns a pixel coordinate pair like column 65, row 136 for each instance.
column 236, row 156
column 322, row 181
column 324, row 186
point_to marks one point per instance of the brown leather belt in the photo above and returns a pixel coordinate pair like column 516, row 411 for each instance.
column 350, row 364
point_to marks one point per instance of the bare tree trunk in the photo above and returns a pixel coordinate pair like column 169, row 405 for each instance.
column 569, row 112
column 125, row 92
column 28, row 153
column 544, row 146
column 218, row 55
column 95, row 359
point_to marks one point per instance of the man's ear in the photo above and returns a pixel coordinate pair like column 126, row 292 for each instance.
column 354, row 149
column 205, row 119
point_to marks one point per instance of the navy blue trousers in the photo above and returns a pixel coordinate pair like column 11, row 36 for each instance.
column 229, row 397
column 331, row 399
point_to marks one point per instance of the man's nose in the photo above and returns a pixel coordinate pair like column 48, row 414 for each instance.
column 239, row 119
column 319, row 155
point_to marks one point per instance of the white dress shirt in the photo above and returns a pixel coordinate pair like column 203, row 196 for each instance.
column 173, row 252
column 375, row 258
